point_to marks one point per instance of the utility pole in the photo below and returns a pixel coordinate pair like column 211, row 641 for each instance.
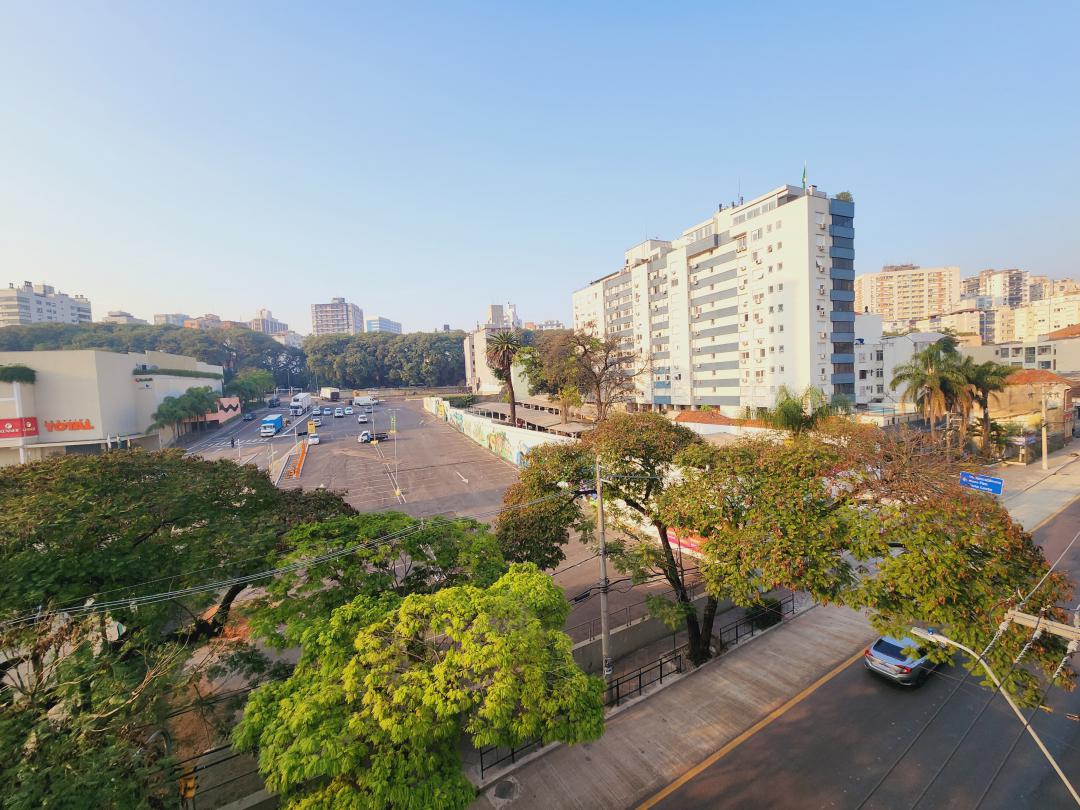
column 605, row 630
column 1045, row 463
column 1019, row 618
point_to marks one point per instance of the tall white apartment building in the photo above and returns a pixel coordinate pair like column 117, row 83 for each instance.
column 503, row 316
column 337, row 317
column 41, row 303
column 904, row 293
column 876, row 359
column 1011, row 287
column 758, row 295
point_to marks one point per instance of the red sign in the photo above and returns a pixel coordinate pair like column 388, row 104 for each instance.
column 27, row 426
column 68, row 424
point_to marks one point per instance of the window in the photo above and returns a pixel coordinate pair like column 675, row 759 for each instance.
column 779, row 307
column 779, row 287
column 779, row 245
column 780, row 328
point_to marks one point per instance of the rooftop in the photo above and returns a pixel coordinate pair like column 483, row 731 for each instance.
column 1036, row 376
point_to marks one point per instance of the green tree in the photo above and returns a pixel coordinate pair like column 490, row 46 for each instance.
column 797, row 413
column 638, row 454
column 872, row 521
column 251, row 385
column 387, row 688
column 82, row 692
column 987, row 378
column 417, row 556
column 928, row 379
column 379, row 359
column 502, row 351
column 604, row 370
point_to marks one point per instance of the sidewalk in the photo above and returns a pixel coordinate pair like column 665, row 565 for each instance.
column 1032, row 494
column 650, row 744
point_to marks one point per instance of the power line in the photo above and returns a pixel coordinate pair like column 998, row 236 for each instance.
column 1000, row 631
column 1027, row 722
column 986, row 704
column 148, row 599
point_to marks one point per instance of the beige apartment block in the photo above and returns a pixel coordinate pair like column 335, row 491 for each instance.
column 902, row 294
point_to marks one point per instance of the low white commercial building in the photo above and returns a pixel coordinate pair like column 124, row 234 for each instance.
column 86, row 401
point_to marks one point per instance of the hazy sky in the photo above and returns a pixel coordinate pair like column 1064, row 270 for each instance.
column 424, row 160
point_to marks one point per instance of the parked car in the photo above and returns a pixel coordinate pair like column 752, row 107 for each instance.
column 348, row 410
column 338, row 413
column 886, row 657
column 362, row 419
column 327, row 411
column 249, row 417
column 313, row 439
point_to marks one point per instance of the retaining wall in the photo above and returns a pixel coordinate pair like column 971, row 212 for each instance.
column 508, row 443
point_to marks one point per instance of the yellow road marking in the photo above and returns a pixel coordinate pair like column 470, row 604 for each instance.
column 750, row 732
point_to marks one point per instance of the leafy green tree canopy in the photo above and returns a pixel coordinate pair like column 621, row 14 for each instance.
column 394, row 553
column 387, row 688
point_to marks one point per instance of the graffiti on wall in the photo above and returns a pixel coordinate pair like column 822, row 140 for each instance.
column 509, row 443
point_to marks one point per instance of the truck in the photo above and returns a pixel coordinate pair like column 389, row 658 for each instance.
column 366, row 436
column 301, row 403
column 332, row 394
column 271, row 425
column 364, row 400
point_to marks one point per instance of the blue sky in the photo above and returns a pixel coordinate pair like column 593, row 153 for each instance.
column 424, row 160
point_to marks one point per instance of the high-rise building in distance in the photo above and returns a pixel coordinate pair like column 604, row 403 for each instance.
column 381, row 324
column 759, row 295
column 170, row 319
column 265, row 322
column 41, row 303
column 337, row 317
column 119, row 316
column 904, row 293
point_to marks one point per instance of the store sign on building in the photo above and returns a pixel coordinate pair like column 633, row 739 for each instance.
column 27, row 426
column 68, row 424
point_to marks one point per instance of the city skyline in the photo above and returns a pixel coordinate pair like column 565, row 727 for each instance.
column 305, row 153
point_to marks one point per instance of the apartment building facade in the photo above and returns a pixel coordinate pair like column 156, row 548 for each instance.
column 337, row 317
column 170, row 318
column 265, row 322
column 902, row 294
column 759, row 295
column 41, row 303
column 1011, row 288
column 122, row 318
column 381, row 324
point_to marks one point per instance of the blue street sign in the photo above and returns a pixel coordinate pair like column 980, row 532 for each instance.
column 983, row 483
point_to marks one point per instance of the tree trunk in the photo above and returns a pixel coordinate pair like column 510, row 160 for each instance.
column 986, row 429
column 697, row 641
column 210, row 628
column 510, row 392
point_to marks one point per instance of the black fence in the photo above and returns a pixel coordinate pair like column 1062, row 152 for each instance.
column 632, row 684
column 755, row 621
column 622, row 688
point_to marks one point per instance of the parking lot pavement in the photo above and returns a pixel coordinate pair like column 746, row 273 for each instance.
column 436, row 469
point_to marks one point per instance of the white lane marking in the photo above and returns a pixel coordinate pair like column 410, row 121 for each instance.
column 462, row 477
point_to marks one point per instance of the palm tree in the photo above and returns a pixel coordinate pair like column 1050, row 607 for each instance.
column 798, row 412
column 929, row 379
column 960, row 393
column 502, row 350
column 985, row 379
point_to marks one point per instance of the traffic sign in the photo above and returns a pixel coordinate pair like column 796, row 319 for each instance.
column 982, row 483
column 311, row 426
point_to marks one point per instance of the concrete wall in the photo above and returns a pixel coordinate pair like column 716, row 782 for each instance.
column 509, row 443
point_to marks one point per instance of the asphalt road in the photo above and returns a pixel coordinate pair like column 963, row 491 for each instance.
column 829, row 750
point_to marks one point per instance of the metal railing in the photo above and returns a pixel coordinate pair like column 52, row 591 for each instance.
column 622, row 688
column 632, row 684
column 747, row 626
